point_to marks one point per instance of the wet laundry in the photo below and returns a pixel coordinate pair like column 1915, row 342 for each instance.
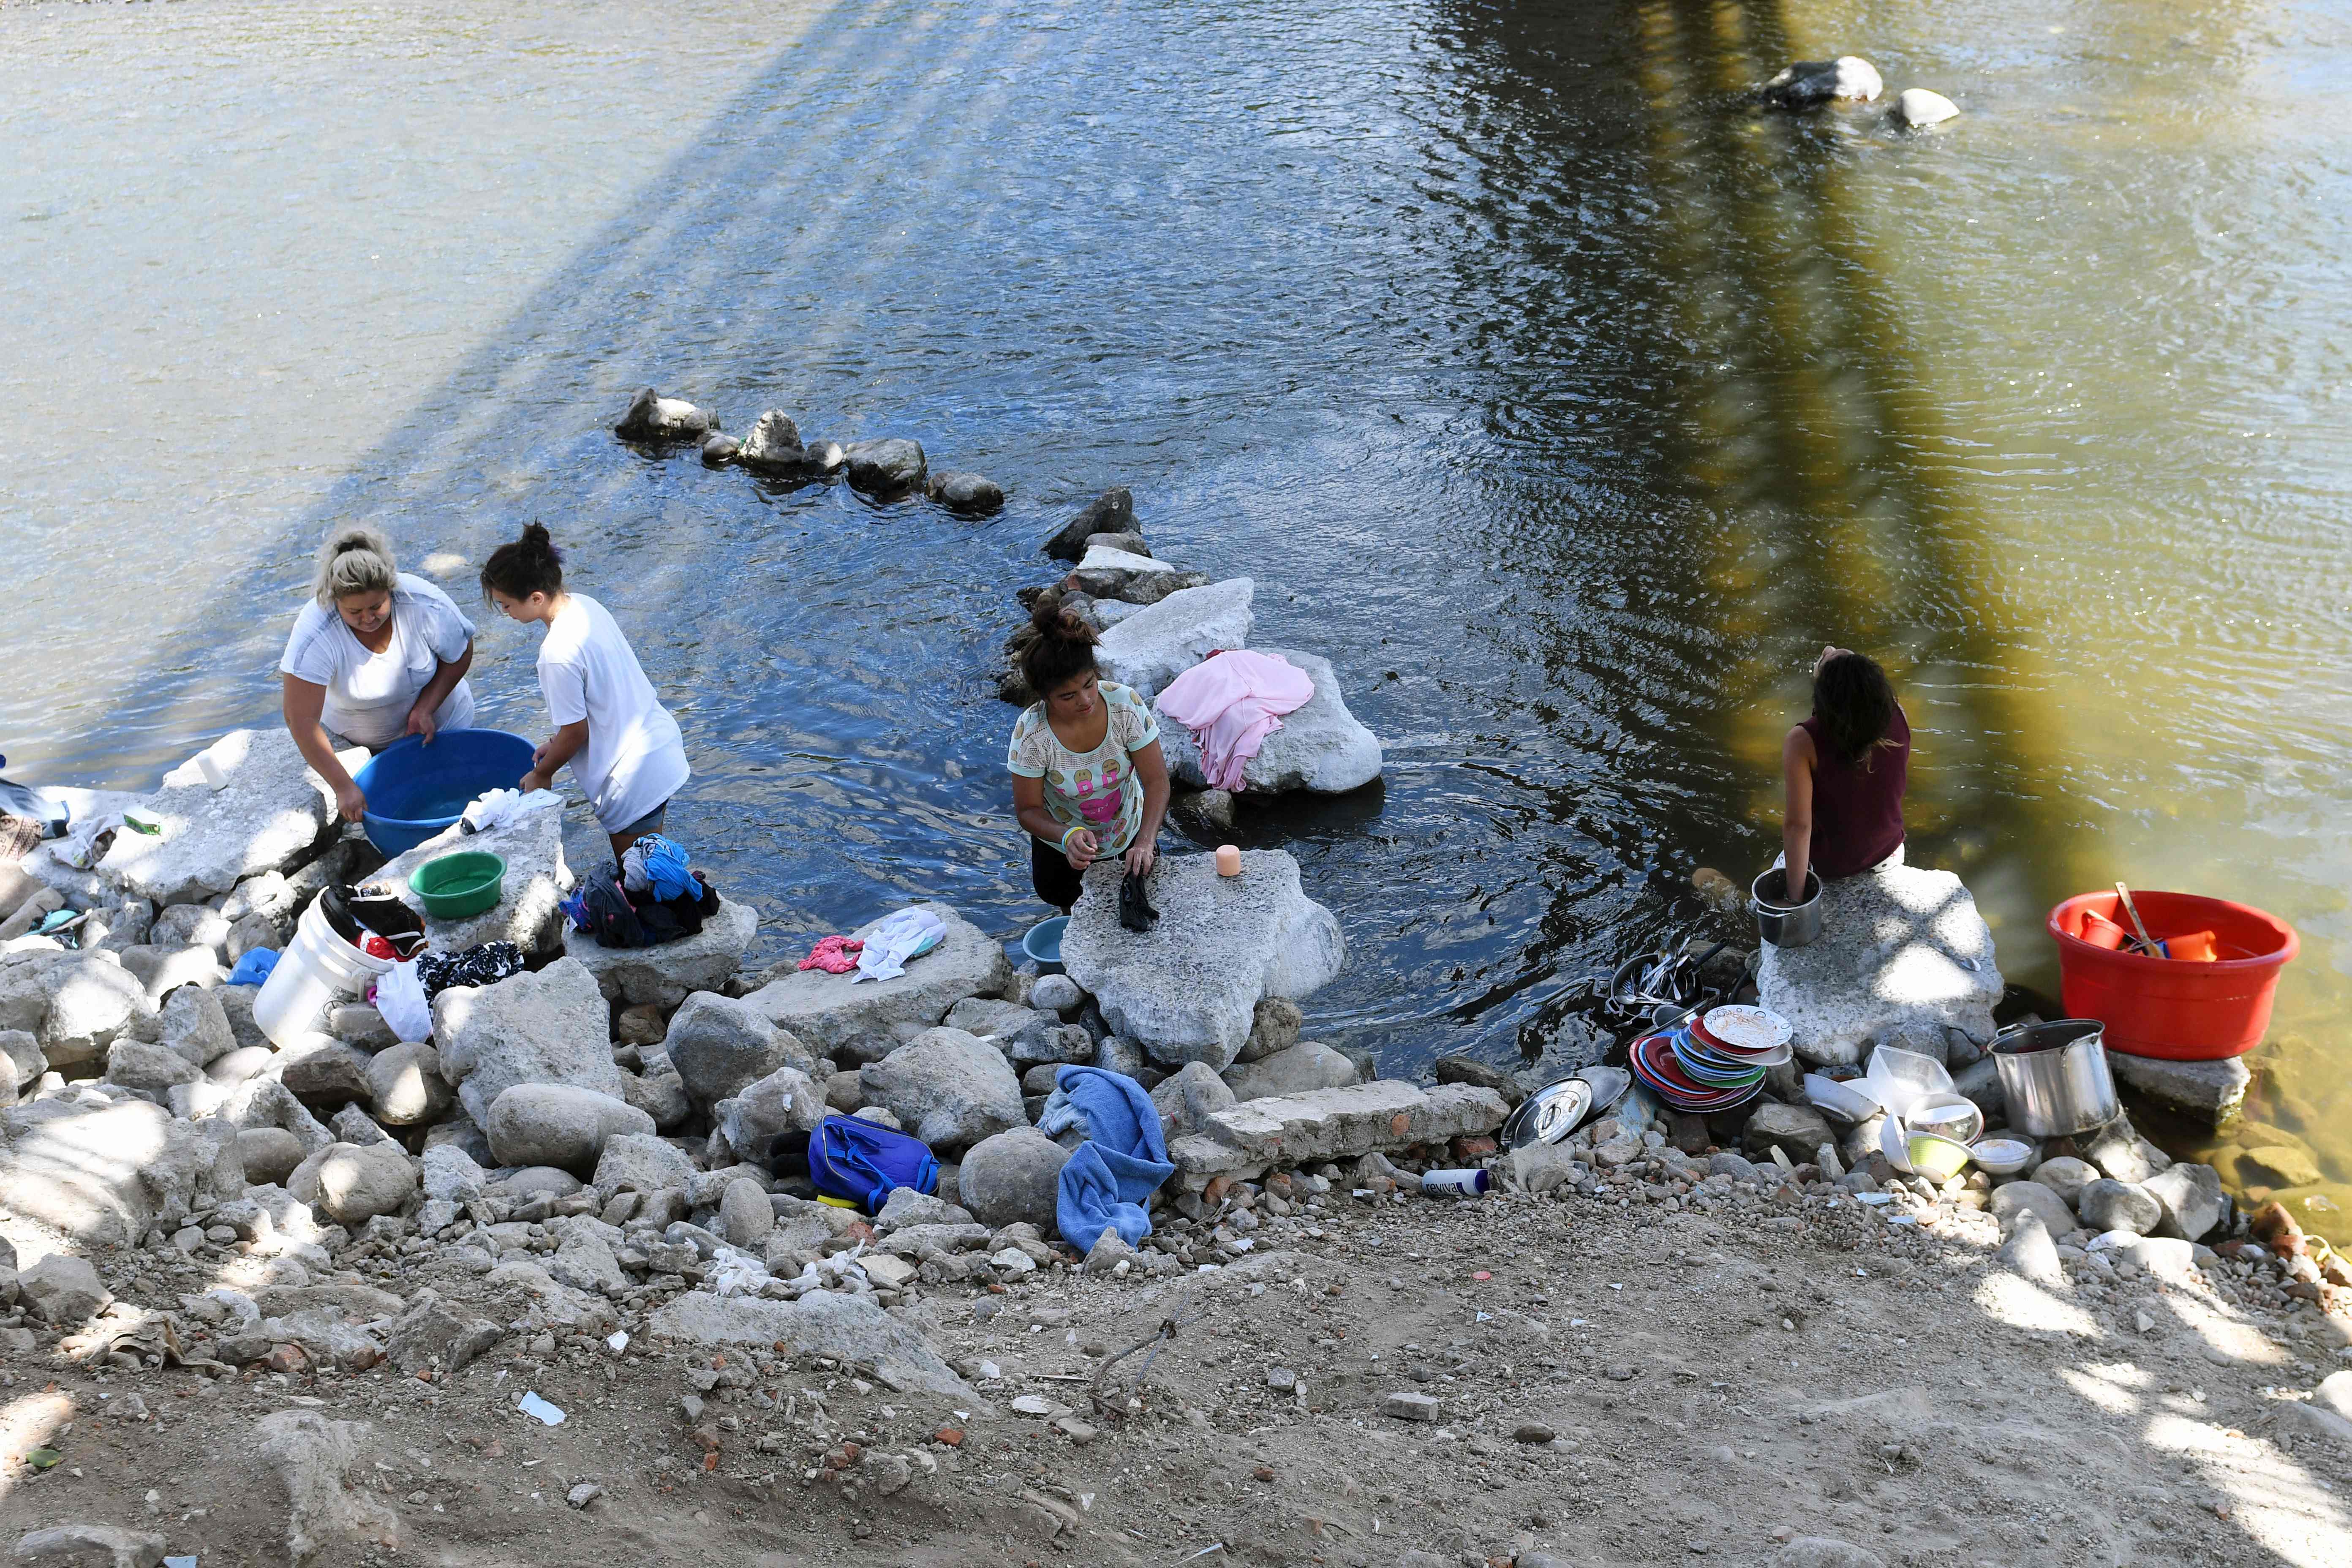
column 656, row 865
column 486, row 964
column 835, row 954
column 906, row 935
column 1232, row 701
column 1135, row 910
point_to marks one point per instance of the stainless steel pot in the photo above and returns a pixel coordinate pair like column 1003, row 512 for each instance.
column 1779, row 922
column 2055, row 1077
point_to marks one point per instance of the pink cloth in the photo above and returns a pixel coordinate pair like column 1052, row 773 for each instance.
column 1232, row 702
column 834, row 955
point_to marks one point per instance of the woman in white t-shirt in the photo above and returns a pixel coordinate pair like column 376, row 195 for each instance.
column 625, row 749
column 376, row 655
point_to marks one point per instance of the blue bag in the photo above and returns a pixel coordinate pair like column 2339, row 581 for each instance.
column 864, row 1161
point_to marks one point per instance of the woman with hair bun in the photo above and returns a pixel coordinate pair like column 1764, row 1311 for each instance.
column 1087, row 776
column 376, row 655
column 1845, row 767
column 625, row 748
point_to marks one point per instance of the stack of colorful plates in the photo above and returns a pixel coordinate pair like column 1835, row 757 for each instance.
column 1713, row 1062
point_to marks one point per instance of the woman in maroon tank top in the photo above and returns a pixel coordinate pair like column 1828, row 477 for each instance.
column 1845, row 767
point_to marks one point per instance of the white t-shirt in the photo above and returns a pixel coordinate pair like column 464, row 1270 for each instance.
column 635, row 758
column 369, row 694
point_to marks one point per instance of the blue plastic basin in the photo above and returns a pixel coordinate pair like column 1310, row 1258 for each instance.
column 1043, row 943
column 416, row 791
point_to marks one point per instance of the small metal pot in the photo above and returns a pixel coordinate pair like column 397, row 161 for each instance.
column 1779, row 922
column 2055, row 1077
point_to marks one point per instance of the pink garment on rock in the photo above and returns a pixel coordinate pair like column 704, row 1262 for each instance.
column 835, row 954
column 1232, row 702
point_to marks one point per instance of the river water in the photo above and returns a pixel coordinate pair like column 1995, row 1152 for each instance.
column 1564, row 400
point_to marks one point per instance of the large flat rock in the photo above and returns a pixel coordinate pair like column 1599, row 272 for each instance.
column 666, row 976
column 527, row 912
column 272, row 811
column 2213, row 1092
column 1899, row 948
column 1187, row 989
column 105, row 1173
column 1154, row 646
column 826, row 1010
column 823, row 1322
column 1386, row 1114
column 552, row 1027
column 1321, row 748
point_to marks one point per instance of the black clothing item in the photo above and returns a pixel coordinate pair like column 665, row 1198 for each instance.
column 1050, row 874
column 485, row 965
column 1135, row 910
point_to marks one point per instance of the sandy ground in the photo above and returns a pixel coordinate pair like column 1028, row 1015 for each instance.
column 1620, row 1383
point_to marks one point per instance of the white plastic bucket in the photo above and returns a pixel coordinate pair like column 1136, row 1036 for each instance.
column 317, row 967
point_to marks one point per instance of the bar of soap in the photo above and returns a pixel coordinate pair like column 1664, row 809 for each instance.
column 1229, row 860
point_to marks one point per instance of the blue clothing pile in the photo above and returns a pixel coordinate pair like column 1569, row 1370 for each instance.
column 1110, row 1178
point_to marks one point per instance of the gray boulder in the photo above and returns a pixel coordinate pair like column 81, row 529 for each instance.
column 1131, row 577
column 2066, row 1176
column 544, row 1028
column 1900, row 947
column 1796, row 1130
column 406, row 1088
column 1321, row 748
column 636, row 1163
column 559, row 1124
column 2192, row 1197
column 359, row 1024
column 950, row 1089
column 2014, row 1198
column 1153, row 647
column 653, row 417
column 1188, row 989
column 451, row 1175
column 786, row 1099
column 273, row 811
column 973, row 494
column 100, row 1174
column 1113, row 1054
column 1919, row 107
column 526, row 913
column 2213, row 1093
column 720, row 1044
column 1113, row 512
column 134, row 1064
column 195, row 1025
column 72, row 1004
column 887, row 468
column 1808, row 84
column 351, row 1184
column 661, row 1095
column 24, row 1063
column 1296, row 1070
column 61, row 1290
column 1332, row 1124
column 2105, row 1205
column 1028, row 1037
column 353, row 1125
column 2030, row 1253
column 745, row 1216
column 322, row 1072
column 1011, row 1177
column 1056, row 993
column 269, row 1153
column 827, row 1010
column 773, row 446
column 2118, row 1151
column 664, row 976
column 190, row 925
column 89, row 1546
column 164, row 969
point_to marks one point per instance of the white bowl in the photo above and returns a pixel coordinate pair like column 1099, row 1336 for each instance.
column 1847, row 1099
column 1952, row 1116
column 1894, row 1141
column 2001, row 1156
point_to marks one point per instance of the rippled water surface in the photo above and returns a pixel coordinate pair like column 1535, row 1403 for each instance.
column 1561, row 398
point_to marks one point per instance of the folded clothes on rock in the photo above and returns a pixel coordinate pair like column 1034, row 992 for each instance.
column 835, row 954
column 619, row 919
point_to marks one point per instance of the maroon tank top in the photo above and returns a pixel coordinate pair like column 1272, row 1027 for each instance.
column 1858, row 807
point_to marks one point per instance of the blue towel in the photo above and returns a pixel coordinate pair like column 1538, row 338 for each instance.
column 1106, row 1182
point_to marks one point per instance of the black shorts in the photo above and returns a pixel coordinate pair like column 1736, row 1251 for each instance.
column 1051, row 874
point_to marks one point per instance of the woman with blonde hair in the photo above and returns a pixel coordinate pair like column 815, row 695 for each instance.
column 377, row 654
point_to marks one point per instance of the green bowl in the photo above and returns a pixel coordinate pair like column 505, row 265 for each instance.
column 455, row 885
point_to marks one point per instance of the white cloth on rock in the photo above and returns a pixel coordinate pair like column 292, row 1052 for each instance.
column 495, row 808
column 908, row 934
column 400, row 998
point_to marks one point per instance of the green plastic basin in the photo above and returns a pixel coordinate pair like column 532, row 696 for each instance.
column 455, row 885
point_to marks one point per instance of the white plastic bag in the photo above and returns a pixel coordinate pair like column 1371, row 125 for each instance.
column 400, row 997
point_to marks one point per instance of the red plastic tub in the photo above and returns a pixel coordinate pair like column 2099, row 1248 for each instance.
column 2179, row 1010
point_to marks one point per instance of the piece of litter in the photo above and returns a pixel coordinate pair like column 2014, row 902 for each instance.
column 618, row 1342
column 179, row 1563
column 1213, row 1546
column 42, row 1459
column 532, row 1406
